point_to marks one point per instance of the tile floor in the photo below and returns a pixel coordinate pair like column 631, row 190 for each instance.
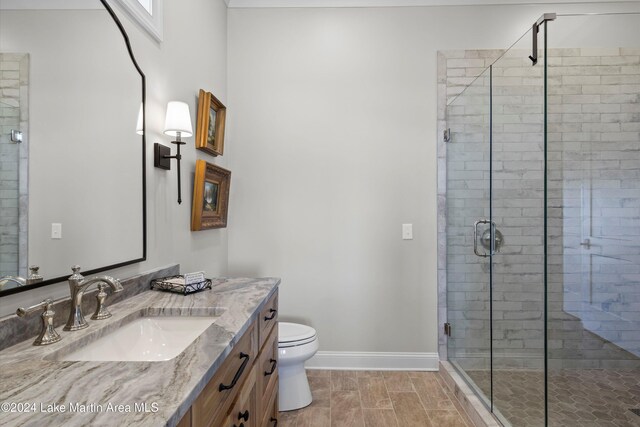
column 377, row 399
column 577, row 397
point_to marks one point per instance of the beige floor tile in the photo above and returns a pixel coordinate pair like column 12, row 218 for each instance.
column 432, row 395
column 318, row 373
column 314, row 417
column 345, row 409
column 373, row 393
column 287, row 419
column 397, row 381
column 380, row 418
column 460, row 409
column 321, row 391
column 409, row 411
column 446, row 418
column 418, row 374
column 422, row 403
column 343, row 381
column 369, row 374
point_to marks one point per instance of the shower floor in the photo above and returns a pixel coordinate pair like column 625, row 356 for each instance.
column 577, row 397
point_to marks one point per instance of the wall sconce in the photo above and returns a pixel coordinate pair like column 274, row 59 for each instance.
column 177, row 124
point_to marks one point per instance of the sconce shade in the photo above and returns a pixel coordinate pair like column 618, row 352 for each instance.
column 139, row 129
column 178, row 119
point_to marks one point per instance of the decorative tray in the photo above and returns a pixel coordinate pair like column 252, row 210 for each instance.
column 177, row 284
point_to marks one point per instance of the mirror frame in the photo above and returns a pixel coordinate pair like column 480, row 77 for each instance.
column 51, row 281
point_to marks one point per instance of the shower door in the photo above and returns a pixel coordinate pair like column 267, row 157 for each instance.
column 496, row 234
column 468, row 275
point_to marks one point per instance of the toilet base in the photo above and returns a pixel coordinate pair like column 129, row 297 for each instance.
column 293, row 390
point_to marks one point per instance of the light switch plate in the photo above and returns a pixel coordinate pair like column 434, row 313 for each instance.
column 407, row 231
column 56, row 230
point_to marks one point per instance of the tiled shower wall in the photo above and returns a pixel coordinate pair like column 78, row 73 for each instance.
column 594, row 115
column 594, row 192
column 14, row 74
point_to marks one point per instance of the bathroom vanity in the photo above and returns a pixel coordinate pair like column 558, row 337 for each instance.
column 226, row 376
column 246, row 382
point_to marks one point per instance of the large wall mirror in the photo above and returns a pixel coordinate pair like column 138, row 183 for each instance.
column 72, row 191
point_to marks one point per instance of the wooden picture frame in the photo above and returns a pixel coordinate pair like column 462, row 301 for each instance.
column 210, row 196
column 210, row 124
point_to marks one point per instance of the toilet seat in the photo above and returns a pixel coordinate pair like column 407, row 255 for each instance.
column 293, row 335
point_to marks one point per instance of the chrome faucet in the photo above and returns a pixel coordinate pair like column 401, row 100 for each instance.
column 78, row 286
column 5, row 280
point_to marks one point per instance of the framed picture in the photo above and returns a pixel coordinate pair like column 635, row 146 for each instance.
column 210, row 196
column 210, row 124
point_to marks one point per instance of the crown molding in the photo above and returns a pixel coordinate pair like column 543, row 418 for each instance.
column 398, row 3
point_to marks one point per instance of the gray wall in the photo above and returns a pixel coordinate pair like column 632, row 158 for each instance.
column 334, row 127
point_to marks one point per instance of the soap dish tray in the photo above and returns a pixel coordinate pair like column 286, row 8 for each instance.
column 177, row 284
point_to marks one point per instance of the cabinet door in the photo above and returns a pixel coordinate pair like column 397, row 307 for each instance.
column 268, row 318
column 244, row 412
column 267, row 372
column 211, row 407
column 271, row 415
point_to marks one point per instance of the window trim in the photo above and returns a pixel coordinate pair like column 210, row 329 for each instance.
column 151, row 23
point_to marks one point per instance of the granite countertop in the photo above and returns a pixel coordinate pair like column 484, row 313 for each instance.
column 30, row 378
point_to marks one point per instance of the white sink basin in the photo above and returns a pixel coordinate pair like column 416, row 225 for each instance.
column 146, row 339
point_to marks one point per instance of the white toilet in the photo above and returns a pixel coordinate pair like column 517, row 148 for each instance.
column 296, row 344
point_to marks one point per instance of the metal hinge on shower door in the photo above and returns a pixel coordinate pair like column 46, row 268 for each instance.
column 447, row 329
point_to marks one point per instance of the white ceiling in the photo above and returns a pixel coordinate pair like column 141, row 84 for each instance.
column 397, row 3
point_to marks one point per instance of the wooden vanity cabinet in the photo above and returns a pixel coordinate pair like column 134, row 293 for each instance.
column 243, row 392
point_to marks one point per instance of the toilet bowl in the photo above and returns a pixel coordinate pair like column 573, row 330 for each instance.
column 296, row 344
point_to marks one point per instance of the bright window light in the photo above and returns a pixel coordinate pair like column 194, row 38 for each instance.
column 148, row 5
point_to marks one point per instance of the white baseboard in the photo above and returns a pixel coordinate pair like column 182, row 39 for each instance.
column 374, row 361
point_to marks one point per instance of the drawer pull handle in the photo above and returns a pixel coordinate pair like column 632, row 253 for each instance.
column 238, row 374
column 274, row 421
column 274, row 363
column 273, row 312
column 244, row 415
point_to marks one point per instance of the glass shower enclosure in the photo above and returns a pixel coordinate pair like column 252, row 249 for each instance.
column 543, row 225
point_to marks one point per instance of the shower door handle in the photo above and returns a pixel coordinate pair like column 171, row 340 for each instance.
column 475, row 237
column 495, row 238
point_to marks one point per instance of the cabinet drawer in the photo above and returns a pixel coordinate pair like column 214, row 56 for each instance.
column 271, row 414
column 267, row 371
column 211, row 407
column 268, row 318
column 244, row 411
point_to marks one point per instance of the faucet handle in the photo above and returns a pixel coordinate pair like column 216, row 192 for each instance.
column 76, row 273
column 48, row 334
column 101, row 309
column 34, row 276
